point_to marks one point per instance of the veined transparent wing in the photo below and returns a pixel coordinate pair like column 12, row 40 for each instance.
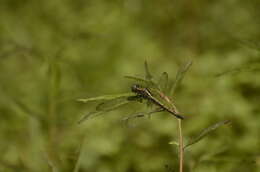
column 147, row 81
column 142, row 114
column 143, row 82
column 106, row 98
column 111, row 103
column 116, row 103
column 178, row 78
column 104, row 107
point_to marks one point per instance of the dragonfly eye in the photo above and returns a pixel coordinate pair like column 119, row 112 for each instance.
column 135, row 87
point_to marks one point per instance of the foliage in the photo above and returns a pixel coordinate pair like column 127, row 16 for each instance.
column 53, row 52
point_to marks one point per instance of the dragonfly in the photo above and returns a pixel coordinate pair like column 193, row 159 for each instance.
column 145, row 89
column 147, row 94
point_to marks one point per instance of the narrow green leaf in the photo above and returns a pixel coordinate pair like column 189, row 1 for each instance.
column 89, row 116
column 78, row 156
column 174, row 143
column 148, row 75
column 106, row 97
column 163, row 82
column 26, row 109
column 205, row 132
column 179, row 77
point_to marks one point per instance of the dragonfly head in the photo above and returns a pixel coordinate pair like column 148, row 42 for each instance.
column 136, row 88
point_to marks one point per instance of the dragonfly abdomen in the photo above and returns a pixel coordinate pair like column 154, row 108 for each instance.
column 146, row 94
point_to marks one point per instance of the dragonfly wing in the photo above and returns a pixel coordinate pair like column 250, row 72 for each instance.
column 143, row 82
column 138, row 79
column 163, row 82
column 179, row 76
column 107, row 106
column 106, row 97
column 147, row 81
column 142, row 114
column 112, row 104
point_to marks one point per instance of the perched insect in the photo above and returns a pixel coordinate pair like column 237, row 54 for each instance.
column 168, row 106
column 154, row 93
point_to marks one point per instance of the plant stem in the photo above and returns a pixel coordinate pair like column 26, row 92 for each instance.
column 53, row 90
column 181, row 159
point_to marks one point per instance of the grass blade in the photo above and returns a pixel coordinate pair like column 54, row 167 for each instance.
column 205, row 132
column 148, row 75
column 163, row 82
column 106, row 97
column 89, row 116
column 179, row 76
column 78, row 156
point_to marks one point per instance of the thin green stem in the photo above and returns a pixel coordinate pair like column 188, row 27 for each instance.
column 181, row 150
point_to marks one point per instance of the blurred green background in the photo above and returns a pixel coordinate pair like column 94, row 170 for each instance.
column 53, row 52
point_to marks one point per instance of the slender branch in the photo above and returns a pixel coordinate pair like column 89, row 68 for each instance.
column 181, row 149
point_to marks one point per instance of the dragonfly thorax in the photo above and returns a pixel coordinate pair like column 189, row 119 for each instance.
column 141, row 91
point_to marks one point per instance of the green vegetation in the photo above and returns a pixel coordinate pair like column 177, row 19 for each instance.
column 54, row 52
